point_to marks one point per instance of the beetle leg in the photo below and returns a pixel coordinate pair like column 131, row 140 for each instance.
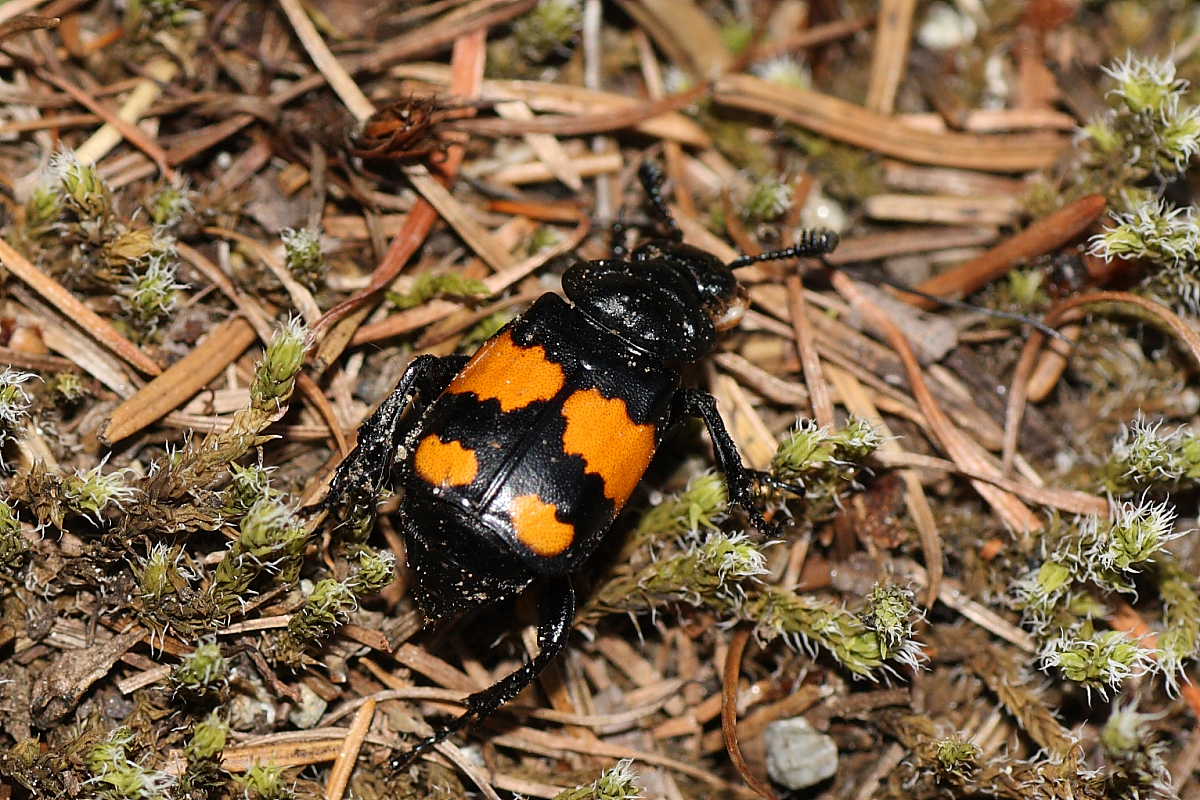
column 557, row 614
column 361, row 476
column 739, row 479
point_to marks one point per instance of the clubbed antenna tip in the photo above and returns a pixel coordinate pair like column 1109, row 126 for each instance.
column 816, row 242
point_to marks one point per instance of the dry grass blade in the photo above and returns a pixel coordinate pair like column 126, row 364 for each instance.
column 542, row 741
column 339, row 79
column 587, row 123
column 818, row 34
column 806, row 347
column 302, row 299
column 284, row 753
column 847, row 122
column 339, row 774
column 58, row 296
column 566, row 99
column 481, row 242
column 888, row 244
column 469, row 768
column 132, row 133
column 180, row 381
column 893, row 29
column 1068, row 500
column 688, row 35
column 548, row 149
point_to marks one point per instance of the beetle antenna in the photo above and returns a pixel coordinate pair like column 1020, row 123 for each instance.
column 652, row 178
column 815, row 242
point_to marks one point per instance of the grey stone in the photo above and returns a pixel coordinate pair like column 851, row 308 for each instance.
column 798, row 756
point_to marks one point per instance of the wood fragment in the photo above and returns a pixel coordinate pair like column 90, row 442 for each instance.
column 944, row 209
column 180, row 381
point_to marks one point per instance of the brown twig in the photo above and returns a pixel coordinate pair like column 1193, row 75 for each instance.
column 729, row 693
column 180, row 381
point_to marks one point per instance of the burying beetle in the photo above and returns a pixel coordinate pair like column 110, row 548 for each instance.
column 515, row 462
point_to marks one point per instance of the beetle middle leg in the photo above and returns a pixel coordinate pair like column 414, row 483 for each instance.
column 557, row 612
column 739, row 479
column 362, row 475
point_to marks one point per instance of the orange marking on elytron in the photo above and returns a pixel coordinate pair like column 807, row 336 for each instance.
column 514, row 375
column 538, row 528
column 612, row 445
column 445, row 463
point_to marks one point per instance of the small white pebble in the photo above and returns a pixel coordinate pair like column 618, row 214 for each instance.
column 944, row 28
column 798, row 756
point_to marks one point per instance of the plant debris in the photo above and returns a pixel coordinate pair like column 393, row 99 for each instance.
column 228, row 228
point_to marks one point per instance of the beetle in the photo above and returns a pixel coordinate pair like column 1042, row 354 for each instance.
column 515, row 461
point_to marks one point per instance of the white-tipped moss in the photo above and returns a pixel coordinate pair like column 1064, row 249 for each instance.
column 208, row 738
column 1150, row 127
column 275, row 374
column 701, row 505
column 616, row 783
column 1099, row 661
column 785, row 71
column 118, row 776
column 265, row 782
column 204, row 670
column 92, row 492
column 768, row 200
column 151, row 291
column 303, row 256
column 1151, row 230
column 15, row 402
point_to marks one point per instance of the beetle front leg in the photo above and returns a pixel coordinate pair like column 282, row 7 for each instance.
column 739, row 479
column 557, row 614
column 361, row 477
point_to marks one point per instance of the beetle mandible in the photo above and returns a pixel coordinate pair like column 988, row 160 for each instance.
column 515, row 461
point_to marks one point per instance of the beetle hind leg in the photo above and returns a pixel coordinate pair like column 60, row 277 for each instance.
column 557, row 614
